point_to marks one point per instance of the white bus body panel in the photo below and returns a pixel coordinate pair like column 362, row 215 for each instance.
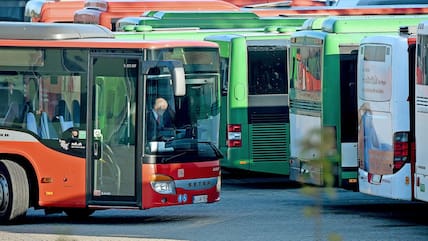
column 300, row 166
column 394, row 186
column 421, row 133
column 421, row 122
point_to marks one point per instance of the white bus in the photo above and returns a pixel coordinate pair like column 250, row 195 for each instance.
column 421, row 113
column 385, row 80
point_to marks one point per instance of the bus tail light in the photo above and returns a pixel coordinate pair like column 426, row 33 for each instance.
column 234, row 135
column 401, row 150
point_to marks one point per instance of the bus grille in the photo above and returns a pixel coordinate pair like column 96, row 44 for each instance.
column 305, row 105
column 269, row 142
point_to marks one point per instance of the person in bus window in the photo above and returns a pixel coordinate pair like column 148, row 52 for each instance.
column 159, row 119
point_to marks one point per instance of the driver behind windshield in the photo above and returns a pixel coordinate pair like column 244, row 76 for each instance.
column 159, row 118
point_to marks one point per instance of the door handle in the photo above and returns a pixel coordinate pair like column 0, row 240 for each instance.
column 97, row 149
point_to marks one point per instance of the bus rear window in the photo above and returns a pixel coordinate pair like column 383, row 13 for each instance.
column 267, row 70
column 374, row 73
column 306, row 68
column 375, row 53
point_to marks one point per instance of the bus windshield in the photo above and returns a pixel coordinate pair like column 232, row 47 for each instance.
column 184, row 119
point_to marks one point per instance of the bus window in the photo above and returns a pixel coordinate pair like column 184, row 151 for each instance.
column 47, row 97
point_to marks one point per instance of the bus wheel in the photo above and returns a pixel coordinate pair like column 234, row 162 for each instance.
column 79, row 213
column 14, row 192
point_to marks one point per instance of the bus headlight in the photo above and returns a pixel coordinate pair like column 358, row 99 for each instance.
column 163, row 184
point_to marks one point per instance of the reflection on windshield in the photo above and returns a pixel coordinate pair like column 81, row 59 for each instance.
column 307, row 75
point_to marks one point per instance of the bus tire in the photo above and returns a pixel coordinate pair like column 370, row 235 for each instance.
column 14, row 192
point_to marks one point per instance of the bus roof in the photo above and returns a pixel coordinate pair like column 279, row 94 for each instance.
column 369, row 24
column 206, row 20
column 387, row 39
column 314, row 23
column 20, row 34
column 52, row 31
column 263, row 3
column 423, row 27
column 266, row 38
column 198, row 15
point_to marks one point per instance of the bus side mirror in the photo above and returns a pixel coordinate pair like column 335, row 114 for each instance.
column 177, row 73
column 179, row 81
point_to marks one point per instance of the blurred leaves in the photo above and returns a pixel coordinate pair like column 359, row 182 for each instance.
column 321, row 144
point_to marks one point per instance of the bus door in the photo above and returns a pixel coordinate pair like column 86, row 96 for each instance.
column 113, row 165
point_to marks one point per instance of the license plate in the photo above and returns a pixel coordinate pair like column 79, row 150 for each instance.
column 200, row 199
column 376, row 179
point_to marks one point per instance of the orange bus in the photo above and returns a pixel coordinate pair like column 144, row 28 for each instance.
column 107, row 12
column 75, row 118
column 52, row 11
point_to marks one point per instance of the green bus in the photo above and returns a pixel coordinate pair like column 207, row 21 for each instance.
column 254, row 119
column 323, row 96
column 254, row 123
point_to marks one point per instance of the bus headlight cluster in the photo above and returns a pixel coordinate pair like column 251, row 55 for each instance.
column 163, row 184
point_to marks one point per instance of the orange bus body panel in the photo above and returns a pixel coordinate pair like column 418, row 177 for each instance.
column 64, row 175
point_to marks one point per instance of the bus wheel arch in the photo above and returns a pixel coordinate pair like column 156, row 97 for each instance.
column 14, row 191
